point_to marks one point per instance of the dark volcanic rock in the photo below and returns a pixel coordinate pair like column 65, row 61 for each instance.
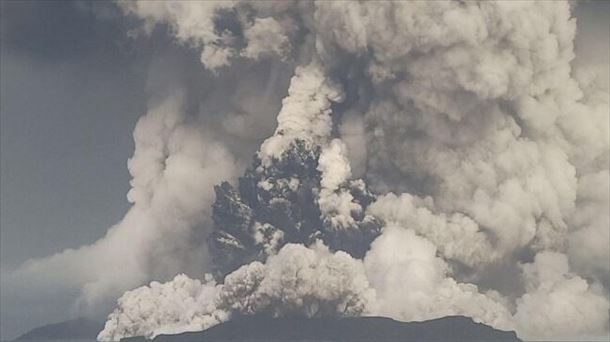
column 259, row 328
column 79, row 329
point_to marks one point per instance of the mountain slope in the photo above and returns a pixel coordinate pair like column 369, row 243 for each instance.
column 78, row 329
column 259, row 328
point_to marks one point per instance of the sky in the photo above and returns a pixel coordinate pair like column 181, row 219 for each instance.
column 74, row 82
column 70, row 97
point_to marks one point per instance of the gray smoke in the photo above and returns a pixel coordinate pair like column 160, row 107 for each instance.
column 312, row 282
column 193, row 136
column 429, row 159
column 471, row 111
column 477, row 130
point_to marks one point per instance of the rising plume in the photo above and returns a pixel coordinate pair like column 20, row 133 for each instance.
column 428, row 159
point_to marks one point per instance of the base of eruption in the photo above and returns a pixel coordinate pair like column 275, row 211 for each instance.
column 379, row 329
column 265, row 328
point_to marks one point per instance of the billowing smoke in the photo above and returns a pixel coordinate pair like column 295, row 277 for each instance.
column 173, row 167
column 559, row 302
column 486, row 151
column 296, row 281
column 199, row 130
column 429, row 159
column 469, row 111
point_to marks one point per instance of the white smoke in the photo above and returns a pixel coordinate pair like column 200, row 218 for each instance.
column 488, row 144
column 474, row 110
column 413, row 284
column 559, row 303
column 182, row 304
column 195, row 24
column 173, row 168
column 457, row 236
column 199, row 129
column 336, row 204
column 305, row 112
column 310, row 281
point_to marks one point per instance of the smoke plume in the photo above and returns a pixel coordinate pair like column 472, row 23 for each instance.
column 489, row 151
column 429, row 159
column 487, row 145
column 296, row 281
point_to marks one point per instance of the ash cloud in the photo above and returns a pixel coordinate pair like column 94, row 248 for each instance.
column 312, row 282
column 472, row 113
column 486, row 147
column 192, row 144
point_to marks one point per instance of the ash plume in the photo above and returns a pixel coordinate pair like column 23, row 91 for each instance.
column 429, row 159
column 474, row 155
column 296, row 281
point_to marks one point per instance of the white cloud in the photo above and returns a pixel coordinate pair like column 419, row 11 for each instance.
column 559, row 304
column 173, row 169
column 310, row 281
column 413, row 284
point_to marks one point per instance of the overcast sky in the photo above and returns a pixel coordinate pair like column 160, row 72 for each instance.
column 72, row 89
column 73, row 85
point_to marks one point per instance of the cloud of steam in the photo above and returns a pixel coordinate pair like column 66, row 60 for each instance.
column 202, row 26
column 297, row 280
column 473, row 111
column 291, row 193
column 486, row 145
column 558, row 302
column 182, row 149
column 413, row 284
column 173, row 168
column 305, row 112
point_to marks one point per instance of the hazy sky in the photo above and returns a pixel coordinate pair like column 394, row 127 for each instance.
column 73, row 84
column 72, row 89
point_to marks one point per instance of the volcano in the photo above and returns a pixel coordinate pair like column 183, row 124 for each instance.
column 379, row 329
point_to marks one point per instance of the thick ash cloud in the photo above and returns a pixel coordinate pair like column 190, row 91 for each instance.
column 173, row 168
column 486, row 147
column 558, row 302
column 193, row 136
column 296, row 281
column 472, row 113
column 413, row 284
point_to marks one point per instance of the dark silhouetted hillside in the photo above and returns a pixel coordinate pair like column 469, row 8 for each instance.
column 78, row 329
column 258, row 328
